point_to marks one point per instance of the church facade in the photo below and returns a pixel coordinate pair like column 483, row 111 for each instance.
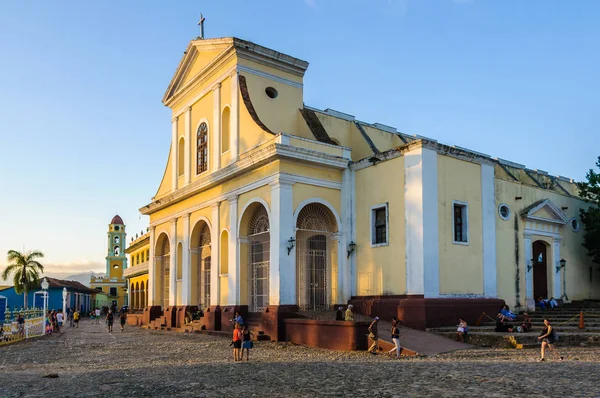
column 270, row 206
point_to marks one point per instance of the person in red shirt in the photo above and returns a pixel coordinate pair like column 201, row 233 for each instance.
column 237, row 342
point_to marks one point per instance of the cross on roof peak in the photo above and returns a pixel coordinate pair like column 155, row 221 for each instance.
column 201, row 24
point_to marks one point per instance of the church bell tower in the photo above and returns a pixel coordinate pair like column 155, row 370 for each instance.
column 116, row 261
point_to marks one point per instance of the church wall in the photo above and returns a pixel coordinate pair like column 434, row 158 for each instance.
column 203, row 58
column 226, row 100
column 460, row 265
column 383, row 140
column 222, row 189
column 278, row 114
column 270, row 70
column 309, row 171
column 303, row 192
column 317, row 146
column 578, row 263
column 346, row 133
column 381, row 270
column 201, row 111
column 250, row 134
column 263, row 193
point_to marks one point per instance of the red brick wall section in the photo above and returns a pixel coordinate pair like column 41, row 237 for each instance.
column 135, row 319
column 333, row 335
column 171, row 317
column 212, row 318
column 151, row 313
column 228, row 312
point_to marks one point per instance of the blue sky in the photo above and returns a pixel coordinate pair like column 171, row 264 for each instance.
column 84, row 134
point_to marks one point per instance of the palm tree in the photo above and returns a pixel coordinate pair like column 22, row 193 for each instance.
column 26, row 270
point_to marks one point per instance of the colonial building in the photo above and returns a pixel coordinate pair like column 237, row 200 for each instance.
column 270, row 206
column 113, row 283
column 137, row 271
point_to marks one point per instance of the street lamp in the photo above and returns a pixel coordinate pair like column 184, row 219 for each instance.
column 291, row 243
column 45, row 300
column 64, row 294
column 562, row 263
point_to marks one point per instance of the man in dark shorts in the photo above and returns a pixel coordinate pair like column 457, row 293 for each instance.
column 123, row 319
column 110, row 320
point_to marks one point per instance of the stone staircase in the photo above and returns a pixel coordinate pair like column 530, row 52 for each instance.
column 254, row 322
column 565, row 319
column 159, row 323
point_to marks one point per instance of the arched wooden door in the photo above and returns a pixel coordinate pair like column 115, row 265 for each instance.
column 540, row 270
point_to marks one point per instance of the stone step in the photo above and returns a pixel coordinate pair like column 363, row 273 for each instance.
column 525, row 340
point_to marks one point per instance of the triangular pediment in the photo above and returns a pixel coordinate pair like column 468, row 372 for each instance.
column 199, row 57
column 545, row 211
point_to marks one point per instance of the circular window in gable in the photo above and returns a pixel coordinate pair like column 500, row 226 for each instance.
column 504, row 211
column 575, row 225
column 271, row 92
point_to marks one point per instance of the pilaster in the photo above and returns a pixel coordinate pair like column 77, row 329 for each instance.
column 174, row 150
column 216, row 130
column 188, row 145
column 282, row 267
column 529, row 300
column 186, row 285
column 557, row 293
column 173, row 264
column 346, row 264
column 151, row 274
column 233, row 279
column 235, row 117
column 488, row 212
column 421, row 222
column 215, row 252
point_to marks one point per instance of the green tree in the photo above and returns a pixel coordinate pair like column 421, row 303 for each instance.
column 590, row 190
column 26, row 271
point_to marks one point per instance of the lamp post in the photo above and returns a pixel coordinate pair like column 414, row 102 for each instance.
column 563, row 264
column 64, row 295
column 45, row 300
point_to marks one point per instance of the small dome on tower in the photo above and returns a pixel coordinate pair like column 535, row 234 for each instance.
column 117, row 220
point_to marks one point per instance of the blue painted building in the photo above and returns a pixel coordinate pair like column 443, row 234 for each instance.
column 78, row 296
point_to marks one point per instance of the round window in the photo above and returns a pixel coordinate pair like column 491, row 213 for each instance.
column 116, row 227
column 575, row 226
column 271, row 92
column 115, row 266
column 504, row 211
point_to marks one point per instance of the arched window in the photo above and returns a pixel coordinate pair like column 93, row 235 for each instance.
column 225, row 130
column 202, row 145
column 180, row 157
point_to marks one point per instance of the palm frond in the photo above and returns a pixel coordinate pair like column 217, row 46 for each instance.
column 10, row 268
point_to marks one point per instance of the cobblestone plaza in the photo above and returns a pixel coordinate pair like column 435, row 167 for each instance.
column 90, row 362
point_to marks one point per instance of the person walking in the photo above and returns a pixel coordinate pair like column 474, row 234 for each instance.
column 122, row 319
column 549, row 338
column 70, row 317
column 349, row 315
column 237, row 342
column 395, row 338
column 374, row 336
column 110, row 320
column 247, row 343
column 97, row 312
column 60, row 319
column 76, row 318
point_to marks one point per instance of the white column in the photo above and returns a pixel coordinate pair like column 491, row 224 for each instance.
column 215, row 252
column 345, row 263
column 188, row 146
column 151, row 275
column 282, row 269
column 174, row 147
column 488, row 229
column 233, row 279
column 421, row 222
column 216, row 130
column 556, row 263
column 173, row 265
column 529, row 299
column 234, row 124
column 186, row 274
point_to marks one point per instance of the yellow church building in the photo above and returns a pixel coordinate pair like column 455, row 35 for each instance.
column 268, row 206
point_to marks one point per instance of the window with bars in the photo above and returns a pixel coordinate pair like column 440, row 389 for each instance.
column 460, row 223
column 379, row 225
column 202, row 146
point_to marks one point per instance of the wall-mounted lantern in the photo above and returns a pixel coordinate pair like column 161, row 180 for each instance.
column 291, row 244
column 351, row 248
column 562, row 263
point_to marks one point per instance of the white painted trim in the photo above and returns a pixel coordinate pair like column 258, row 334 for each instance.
column 243, row 212
column 320, row 201
column 245, row 69
column 531, row 231
column 201, row 218
column 488, row 230
column 421, row 221
column 188, row 148
column 578, row 224
column 216, row 149
column 215, row 237
column 372, row 225
column 465, row 222
column 174, row 150
column 556, row 290
column 249, row 187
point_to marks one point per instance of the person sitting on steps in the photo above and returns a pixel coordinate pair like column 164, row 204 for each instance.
column 462, row 330
column 501, row 325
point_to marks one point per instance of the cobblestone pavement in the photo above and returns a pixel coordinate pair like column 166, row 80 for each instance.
column 90, row 362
